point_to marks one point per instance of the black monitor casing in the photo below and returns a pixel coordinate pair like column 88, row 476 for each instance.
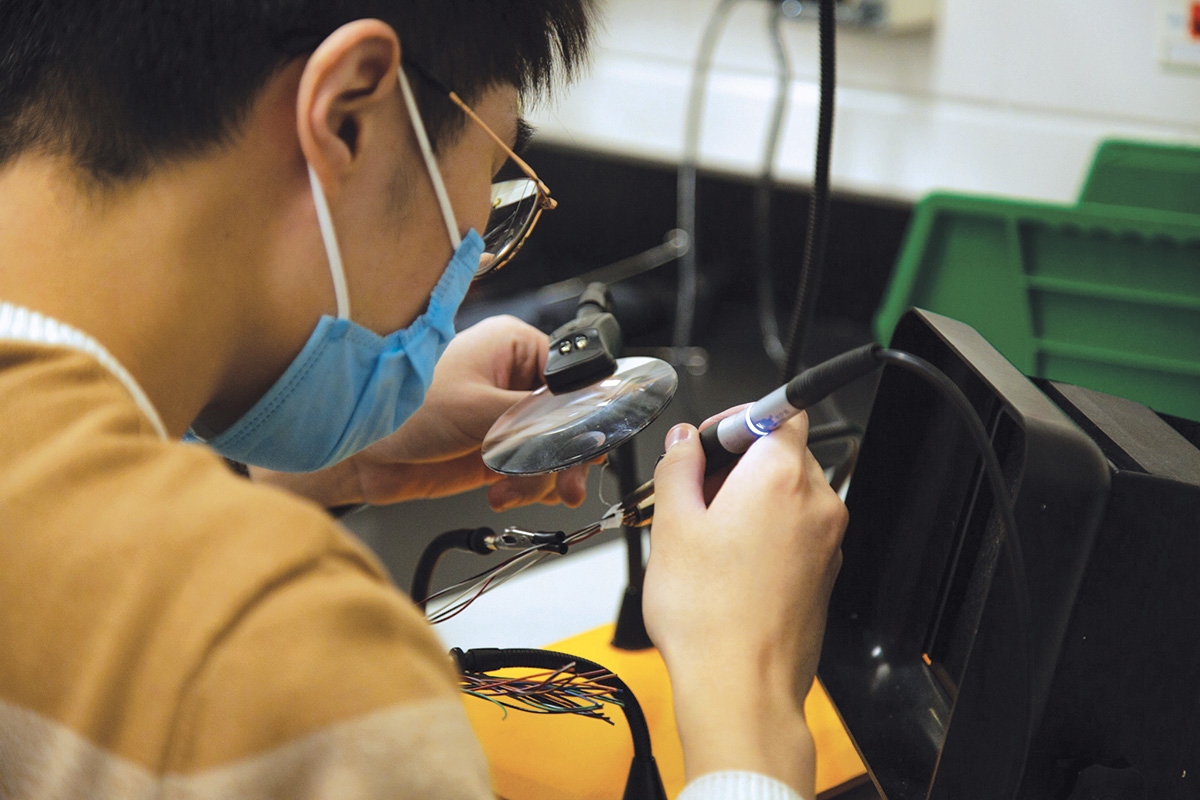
column 924, row 655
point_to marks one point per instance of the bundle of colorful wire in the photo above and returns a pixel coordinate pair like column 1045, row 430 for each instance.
column 560, row 691
column 473, row 588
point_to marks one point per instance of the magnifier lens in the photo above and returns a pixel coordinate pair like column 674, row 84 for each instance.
column 547, row 432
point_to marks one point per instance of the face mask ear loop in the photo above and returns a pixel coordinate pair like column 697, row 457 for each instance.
column 332, row 252
column 435, row 174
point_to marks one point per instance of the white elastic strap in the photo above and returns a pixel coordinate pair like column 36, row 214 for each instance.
column 435, row 174
column 30, row 326
column 332, row 251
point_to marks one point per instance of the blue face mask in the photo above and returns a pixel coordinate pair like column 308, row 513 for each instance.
column 349, row 387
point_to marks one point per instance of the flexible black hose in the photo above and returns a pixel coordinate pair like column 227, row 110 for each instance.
column 644, row 781
column 468, row 539
column 821, row 380
column 832, row 431
column 850, row 435
column 768, row 322
column 685, row 301
column 818, row 211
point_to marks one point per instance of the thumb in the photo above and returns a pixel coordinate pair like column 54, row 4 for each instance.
column 679, row 477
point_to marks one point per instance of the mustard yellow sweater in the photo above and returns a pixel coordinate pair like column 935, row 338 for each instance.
column 168, row 630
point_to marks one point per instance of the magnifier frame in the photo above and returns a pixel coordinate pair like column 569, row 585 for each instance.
column 548, row 432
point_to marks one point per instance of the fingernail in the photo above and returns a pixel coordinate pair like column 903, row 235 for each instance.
column 678, row 434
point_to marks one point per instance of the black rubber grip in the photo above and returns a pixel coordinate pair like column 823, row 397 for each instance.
column 716, row 457
column 816, row 383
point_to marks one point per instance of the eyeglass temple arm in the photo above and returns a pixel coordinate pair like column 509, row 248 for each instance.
column 547, row 201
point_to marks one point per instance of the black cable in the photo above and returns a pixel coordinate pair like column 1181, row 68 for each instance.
column 850, row 433
column 469, row 539
column 644, row 782
column 818, row 216
column 768, row 322
column 1003, row 501
column 685, row 301
column 845, row 467
column 832, row 431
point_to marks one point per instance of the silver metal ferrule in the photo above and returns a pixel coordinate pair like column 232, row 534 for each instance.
column 770, row 412
column 735, row 433
column 738, row 432
column 517, row 539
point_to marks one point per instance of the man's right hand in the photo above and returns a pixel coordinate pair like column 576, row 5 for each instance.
column 735, row 599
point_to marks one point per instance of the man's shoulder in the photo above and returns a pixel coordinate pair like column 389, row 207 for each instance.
column 113, row 494
column 136, row 566
column 90, row 500
column 231, row 638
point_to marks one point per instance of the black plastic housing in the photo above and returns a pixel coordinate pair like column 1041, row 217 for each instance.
column 584, row 350
column 922, row 656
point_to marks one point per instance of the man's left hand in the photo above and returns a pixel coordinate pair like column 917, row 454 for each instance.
column 485, row 370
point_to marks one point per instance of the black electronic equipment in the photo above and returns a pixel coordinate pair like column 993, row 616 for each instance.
column 584, row 351
column 948, row 688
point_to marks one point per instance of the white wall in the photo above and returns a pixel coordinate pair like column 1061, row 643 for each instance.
column 1005, row 97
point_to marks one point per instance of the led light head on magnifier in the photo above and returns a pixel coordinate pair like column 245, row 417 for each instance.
column 591, row 403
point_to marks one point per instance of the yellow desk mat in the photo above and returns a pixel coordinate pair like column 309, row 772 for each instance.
column 536, row 757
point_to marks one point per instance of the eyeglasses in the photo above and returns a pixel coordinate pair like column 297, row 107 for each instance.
column 516, row 204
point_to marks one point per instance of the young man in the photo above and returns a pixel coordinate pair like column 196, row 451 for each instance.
column 223, row 219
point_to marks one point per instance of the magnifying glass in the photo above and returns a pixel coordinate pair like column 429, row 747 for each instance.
column 548, row 432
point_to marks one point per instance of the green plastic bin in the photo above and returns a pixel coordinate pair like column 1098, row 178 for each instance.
column 1104, row 295
column 1136, row 174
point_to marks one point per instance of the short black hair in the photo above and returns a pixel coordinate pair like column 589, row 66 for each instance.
column 122, row 86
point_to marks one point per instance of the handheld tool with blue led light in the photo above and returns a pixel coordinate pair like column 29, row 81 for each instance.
column 725, row 441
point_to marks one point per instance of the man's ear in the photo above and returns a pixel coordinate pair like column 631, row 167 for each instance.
column 343, row 90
